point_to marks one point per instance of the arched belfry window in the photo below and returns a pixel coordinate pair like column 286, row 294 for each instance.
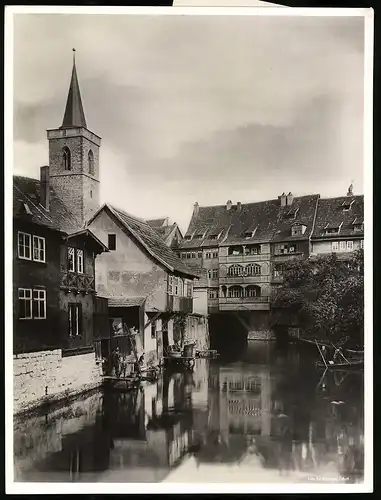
column 90, row 157
column 66, row 159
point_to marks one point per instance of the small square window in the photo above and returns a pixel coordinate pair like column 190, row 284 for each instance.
column 112, row 241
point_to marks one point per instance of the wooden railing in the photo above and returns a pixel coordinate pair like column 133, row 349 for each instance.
column 77, row 282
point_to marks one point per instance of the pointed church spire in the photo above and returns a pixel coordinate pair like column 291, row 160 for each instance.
column 74, row 115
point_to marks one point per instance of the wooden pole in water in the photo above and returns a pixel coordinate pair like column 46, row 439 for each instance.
column 321, row 354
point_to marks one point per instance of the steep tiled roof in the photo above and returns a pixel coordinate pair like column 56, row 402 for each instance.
column 331, row 214
column 164, row 229
column 268, row 219
column 26, row 200
column 149, row 239
column 155, row 223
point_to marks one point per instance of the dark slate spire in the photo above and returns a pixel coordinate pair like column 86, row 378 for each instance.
column 74, row 115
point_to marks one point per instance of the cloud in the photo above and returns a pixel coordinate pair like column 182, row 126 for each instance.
column 195, row 107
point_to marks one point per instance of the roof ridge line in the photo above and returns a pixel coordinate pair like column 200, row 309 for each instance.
column 36, row 206
column 115, row 212
column 128, row 214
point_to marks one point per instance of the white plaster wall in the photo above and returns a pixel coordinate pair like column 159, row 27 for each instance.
column 325, row 247
column 200, row 301
column 170, row 332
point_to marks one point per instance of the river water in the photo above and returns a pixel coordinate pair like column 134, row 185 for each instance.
column 267, row 418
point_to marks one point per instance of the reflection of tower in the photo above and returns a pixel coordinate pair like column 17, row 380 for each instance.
column 265, row 403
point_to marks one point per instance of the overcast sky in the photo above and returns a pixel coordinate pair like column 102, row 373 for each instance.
column 198, row 108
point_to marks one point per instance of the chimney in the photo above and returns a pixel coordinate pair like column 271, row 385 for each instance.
column 239, row 206
column 195, row 209
column 229, row 204
column 350, row 190
column 44, row 187
column 283, row 200
column 290, row 198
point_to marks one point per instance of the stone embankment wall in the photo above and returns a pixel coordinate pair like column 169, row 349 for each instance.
column 46, row 376
column 260, row 335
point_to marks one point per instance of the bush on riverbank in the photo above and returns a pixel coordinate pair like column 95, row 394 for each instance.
column 324, row 297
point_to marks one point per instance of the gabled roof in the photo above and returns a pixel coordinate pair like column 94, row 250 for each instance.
column 331, row 214
column 149, row 239
column 26, row 203
column 89, row 234
column 268, row 217
column 155, row 223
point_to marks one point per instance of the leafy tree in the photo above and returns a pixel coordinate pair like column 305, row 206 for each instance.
column 324, row 297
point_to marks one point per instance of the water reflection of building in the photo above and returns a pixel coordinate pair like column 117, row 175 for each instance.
column 245, row 401
column 220, row 414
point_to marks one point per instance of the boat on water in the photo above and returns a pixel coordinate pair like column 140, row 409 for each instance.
column 339, row 361
column 177, row 357
column 355, row 363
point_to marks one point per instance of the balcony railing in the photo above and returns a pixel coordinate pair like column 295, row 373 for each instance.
column 179, row 304
column 244, row 279
column 77, row 282
column 244, row 300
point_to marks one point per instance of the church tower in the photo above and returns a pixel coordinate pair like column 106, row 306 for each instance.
column 74, row 157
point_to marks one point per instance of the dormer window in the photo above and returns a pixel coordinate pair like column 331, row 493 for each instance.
column 250, row 233
column 188, row 237
column 332, row 228
column 291, row 214
column 213, row 236
column 298, row 229
column 358, row 225
column 346, row 205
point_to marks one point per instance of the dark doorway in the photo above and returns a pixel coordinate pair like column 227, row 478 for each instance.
column 165, row 341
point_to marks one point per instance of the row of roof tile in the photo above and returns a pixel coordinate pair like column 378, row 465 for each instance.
column 268, row 221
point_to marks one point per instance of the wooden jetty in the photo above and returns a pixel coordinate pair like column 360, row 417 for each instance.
column 207, row 353
column 180, row 361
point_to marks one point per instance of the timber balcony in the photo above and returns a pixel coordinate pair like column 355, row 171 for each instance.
column 73, row 282
column 179, row 304
column 244, row 303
